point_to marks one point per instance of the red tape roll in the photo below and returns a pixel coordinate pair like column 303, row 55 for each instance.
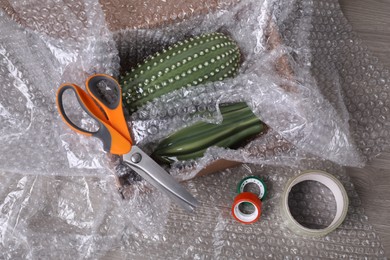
column 243, row 217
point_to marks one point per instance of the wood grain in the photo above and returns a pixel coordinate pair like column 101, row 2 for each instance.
column 372, row 183
column 371, row 20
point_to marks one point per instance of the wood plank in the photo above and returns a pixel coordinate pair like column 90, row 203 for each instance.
column 371, row 20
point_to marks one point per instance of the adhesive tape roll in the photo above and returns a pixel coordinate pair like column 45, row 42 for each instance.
column 335, row 187
column 247, row 198
column 253, row 180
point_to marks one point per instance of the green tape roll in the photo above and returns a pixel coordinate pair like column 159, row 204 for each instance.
column 335, row 187
column 255, row 180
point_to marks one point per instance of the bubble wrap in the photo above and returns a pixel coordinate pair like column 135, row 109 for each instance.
column 100, row 224
column 331, row 89
column 46, row 46
column 295, row 59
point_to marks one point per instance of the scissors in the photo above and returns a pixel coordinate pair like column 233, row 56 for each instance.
column 107, row 110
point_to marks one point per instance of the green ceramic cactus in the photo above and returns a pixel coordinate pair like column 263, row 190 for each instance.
column 206, row 58
column 238, row 125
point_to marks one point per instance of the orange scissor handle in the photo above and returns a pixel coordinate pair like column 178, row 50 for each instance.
column 113, row 140
column 112, row 107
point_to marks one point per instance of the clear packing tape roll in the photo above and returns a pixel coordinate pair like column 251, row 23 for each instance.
column 338, row 191
column 340, row 113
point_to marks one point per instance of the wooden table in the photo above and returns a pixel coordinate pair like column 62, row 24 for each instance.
column 371, row 20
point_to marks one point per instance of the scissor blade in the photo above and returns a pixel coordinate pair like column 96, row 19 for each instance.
column 158, row 177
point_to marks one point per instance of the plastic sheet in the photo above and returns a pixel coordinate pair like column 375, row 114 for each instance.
column 321, row 93
column 353, row 128
column 287, row 80
column 47, row 46
column 79, row 217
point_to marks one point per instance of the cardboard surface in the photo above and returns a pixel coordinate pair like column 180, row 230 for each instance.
column 140, row 14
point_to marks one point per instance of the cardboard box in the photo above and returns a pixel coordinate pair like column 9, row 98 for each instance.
column 143, row 14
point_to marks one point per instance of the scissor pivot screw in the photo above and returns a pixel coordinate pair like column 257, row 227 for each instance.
column 136, row 158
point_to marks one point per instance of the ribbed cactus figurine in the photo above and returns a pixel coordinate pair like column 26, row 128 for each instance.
column 206, row 58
